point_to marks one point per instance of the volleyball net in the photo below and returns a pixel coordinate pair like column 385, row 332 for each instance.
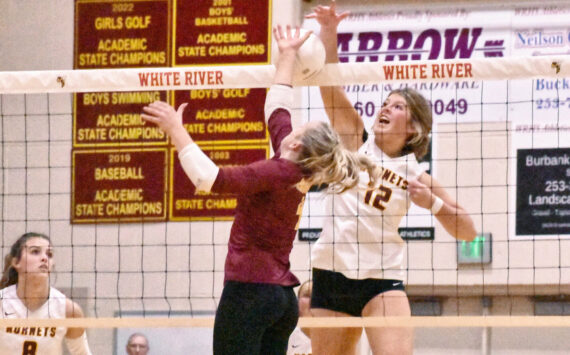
column 134, row 242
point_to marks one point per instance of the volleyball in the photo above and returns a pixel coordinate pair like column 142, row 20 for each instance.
column 310, row 58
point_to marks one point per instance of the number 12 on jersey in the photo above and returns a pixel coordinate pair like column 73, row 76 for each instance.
column 378, row 198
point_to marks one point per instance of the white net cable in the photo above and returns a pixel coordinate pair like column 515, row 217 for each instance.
column 261, row 76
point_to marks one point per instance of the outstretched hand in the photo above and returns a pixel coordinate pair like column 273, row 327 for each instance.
column 288, row 41
column 327, row 16
column 164, row 116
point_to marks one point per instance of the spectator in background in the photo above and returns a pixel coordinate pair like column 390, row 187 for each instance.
column 137, row 344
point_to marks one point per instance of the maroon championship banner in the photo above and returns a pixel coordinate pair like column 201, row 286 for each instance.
column 114, row 118
column 186, row 204
column 161, row 34
column 131, row 34
column 221, row 116
column 119, row 35
column 221, row 32
column 118, row 184
column 127, row 185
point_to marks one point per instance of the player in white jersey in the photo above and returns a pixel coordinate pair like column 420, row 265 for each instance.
column 357, row 261
column 25, row 293
column 374, row 216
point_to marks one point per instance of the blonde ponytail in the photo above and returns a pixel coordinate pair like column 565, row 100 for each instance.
column 327, row 161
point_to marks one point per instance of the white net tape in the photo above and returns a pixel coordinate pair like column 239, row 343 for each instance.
column 261, row 76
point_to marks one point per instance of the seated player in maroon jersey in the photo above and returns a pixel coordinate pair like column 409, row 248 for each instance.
column 258, row 308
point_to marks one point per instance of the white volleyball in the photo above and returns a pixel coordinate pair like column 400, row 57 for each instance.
column 310, row 57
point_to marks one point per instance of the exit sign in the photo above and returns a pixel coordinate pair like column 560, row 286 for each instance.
column 477, row 251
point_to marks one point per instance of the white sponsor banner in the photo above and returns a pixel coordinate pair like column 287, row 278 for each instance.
column 533, row 113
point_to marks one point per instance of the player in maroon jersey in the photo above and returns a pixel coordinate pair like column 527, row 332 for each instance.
column 258, row 308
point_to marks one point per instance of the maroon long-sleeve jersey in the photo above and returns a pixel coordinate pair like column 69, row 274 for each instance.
column 269, row 206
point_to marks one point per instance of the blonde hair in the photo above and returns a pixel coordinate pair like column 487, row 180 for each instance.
column 326, row 161
column 10, row 275
column 420, row 111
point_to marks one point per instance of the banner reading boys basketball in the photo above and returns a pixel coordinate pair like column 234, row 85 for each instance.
column 222, row 32
column 225, row 121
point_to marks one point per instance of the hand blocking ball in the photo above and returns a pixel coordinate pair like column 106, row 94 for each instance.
column 310, row 58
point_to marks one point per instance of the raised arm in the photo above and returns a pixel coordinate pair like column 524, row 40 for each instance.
column 289, row 41
column 344, row 118
column 452, row 217
column 280, row 95
column 198, row 166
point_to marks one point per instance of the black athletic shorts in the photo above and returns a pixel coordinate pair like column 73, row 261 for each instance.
column 334, row 291
column 254, row 319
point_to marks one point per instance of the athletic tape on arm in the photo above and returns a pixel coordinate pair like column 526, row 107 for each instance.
column 279, row 96
column 200, row 169
column 436, row 206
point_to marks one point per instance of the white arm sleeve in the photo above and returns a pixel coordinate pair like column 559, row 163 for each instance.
column 279, row 96
column 78, row 346
column 199, row 168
